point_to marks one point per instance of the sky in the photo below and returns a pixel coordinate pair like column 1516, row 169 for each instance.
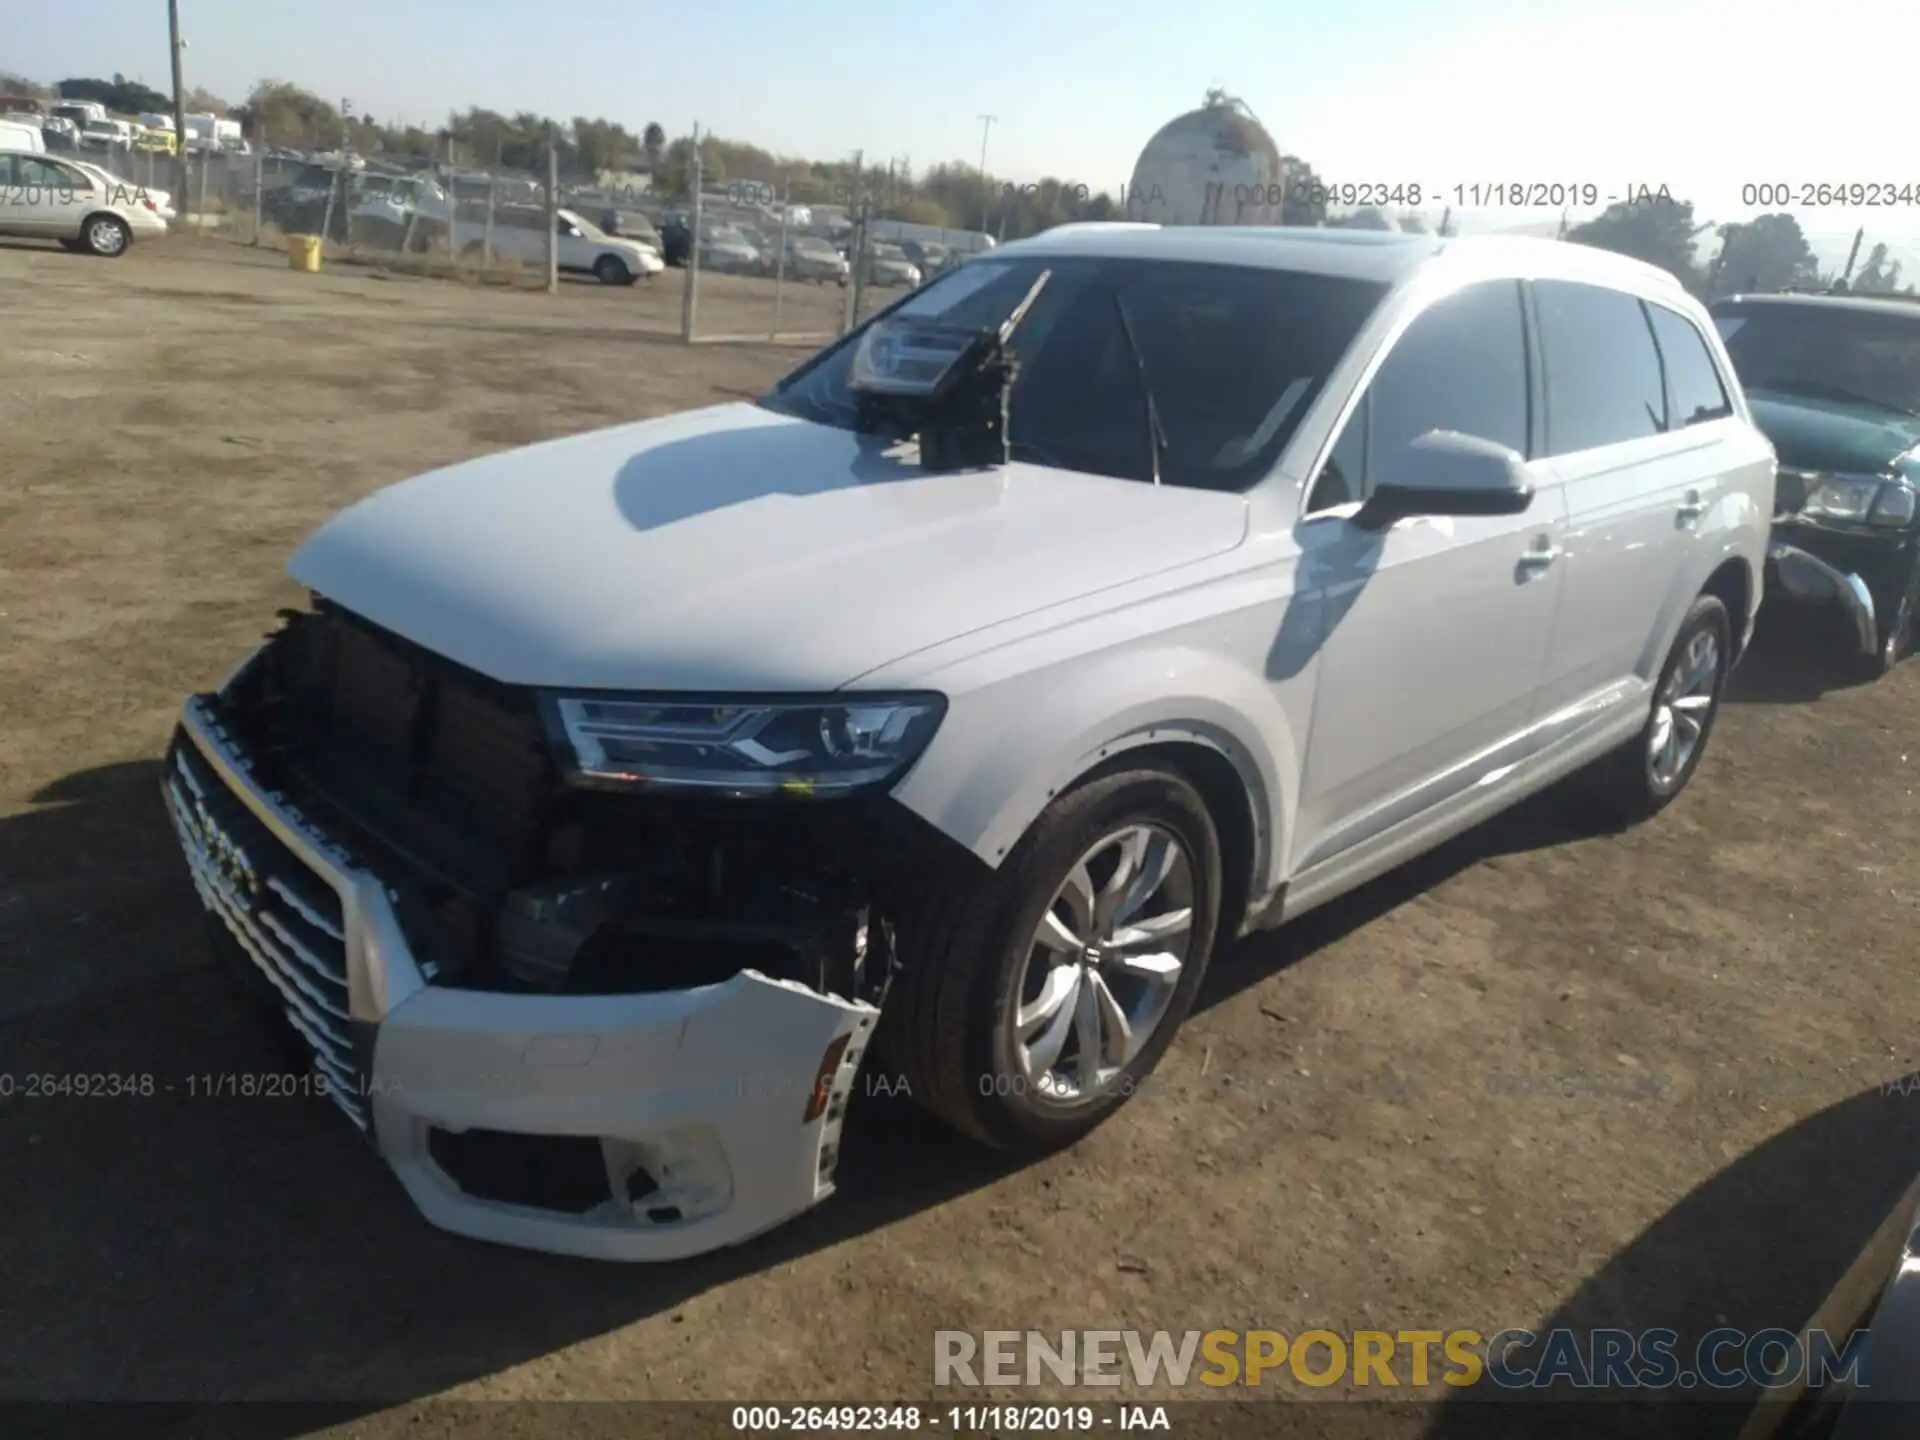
column 1705, row 97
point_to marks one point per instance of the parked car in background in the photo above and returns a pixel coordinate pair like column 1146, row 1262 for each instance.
column 156, row 142
column 1834, row 381
column 21, row 135
column 584, row 249
column 48, row 197
column 889, row 265
column 724, row 248
column 106, row 135
column 810, row 258
column 592, row 761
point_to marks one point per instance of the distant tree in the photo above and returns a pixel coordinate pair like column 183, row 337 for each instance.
column 1769, row 253
column 20, row 85
column 279, row 113
column 1879, row 276
column 121, row 95
column 1659, row 232
column 205, row 102
column 654, row 141
column 1412, row 223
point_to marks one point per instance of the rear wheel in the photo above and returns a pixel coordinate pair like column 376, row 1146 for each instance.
column 1037, row 998
column 106, row 236
column 1647, row 774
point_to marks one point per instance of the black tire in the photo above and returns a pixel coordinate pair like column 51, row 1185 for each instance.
column 609, row 271
column 968, row 953
column 1625, row 784
column 107, row 236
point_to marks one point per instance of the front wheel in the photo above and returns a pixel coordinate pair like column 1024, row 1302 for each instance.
column 1647, row 774
column 1036, row 999
column 609, row 271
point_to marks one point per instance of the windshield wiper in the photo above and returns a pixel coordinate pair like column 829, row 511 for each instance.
column 1822, row 390
column 1156, row 433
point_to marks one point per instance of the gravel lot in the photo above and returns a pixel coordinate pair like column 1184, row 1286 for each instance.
column 1544, row 1076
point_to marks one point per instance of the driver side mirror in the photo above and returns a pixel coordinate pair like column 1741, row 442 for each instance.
column 1447, row 473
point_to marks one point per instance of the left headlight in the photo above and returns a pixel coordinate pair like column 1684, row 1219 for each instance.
column 748, row 748
column 1860, row 499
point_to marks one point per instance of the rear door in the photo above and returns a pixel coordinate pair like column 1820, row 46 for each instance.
column 1638, row 478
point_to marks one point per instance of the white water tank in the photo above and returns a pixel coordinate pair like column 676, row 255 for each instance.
column 1213, row 166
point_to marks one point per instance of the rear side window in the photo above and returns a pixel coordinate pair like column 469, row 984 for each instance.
column 1692, row 377
column 1604, row 384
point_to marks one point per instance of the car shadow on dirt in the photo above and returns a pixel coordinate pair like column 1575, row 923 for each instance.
column 1757, row 1247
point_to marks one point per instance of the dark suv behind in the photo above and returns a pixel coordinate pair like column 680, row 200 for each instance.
column 1834, row 381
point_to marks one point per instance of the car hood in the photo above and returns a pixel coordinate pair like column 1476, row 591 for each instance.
column 735, row 549
column 1815, row 434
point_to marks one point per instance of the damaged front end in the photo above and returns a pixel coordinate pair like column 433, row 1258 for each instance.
column 611, row 1019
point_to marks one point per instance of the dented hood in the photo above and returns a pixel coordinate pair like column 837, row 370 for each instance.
column 735, row 549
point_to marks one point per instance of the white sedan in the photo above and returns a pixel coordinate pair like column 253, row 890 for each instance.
column 84, row 208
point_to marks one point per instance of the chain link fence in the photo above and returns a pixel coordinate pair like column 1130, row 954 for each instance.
column 739, row 261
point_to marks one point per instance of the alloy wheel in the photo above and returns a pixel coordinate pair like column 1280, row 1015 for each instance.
column 1681, row 711
column 1104, row 963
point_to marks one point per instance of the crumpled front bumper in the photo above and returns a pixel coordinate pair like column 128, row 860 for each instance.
column 1806, row 576
column 700, row 1101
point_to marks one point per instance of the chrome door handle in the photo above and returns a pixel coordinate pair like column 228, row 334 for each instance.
column 1540, row 557
column 1694, row 507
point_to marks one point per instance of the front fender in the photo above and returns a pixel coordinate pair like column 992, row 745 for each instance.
column 1006, row 750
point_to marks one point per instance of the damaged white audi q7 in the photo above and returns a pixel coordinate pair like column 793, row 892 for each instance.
column 1106, row 598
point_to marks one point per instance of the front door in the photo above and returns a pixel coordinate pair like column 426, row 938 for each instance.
column 1435, row 634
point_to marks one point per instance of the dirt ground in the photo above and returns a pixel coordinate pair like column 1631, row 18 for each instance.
column 1545, row 1076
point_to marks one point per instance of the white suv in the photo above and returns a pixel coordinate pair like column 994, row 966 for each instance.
column 616, row 793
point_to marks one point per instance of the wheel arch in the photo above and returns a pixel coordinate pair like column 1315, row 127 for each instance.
column 987, row 777
column 1732, row 582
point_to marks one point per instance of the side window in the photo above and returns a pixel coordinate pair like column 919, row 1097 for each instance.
column 1461, row 365
column 1698, row 393
column 6, row 172
column 1604, row 382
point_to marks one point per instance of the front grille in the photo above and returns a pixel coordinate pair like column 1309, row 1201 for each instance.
column 285, row 918
column 441, row 769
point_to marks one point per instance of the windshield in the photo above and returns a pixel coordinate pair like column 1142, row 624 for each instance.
column 812, row 246
column 890, row 252
column 1832, row 352
column 1235, row 356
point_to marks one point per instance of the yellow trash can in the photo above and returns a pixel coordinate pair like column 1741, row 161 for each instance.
column 303, row 253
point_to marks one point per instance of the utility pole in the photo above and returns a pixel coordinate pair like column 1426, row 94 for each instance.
column 689, row 296
column 553, row 213
column 179, row 109
column 986, row 195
